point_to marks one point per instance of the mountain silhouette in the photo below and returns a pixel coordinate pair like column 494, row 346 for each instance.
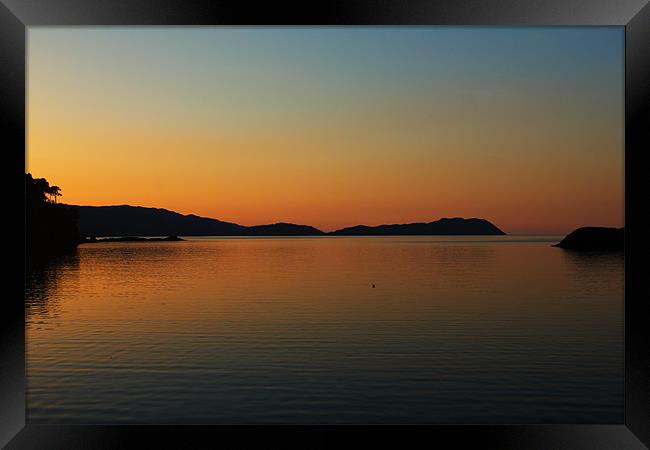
column 125, row 220
column 454, row 226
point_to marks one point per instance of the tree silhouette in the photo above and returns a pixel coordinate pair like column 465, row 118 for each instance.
column 50, row 228
column 55, row 192
column 36, row 189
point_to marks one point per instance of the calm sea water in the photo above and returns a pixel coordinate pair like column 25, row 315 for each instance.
column 456, row 330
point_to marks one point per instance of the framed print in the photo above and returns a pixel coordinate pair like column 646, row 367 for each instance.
column 277, row 221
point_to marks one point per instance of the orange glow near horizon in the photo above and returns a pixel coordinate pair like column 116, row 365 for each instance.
column 257, row 141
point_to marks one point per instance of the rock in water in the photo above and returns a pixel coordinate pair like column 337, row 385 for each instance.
column 594, row 239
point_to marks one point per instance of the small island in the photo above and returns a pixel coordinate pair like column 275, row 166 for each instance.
column 456, row 226
column 594, row 239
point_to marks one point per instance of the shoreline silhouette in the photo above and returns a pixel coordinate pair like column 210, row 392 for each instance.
column 53, row 228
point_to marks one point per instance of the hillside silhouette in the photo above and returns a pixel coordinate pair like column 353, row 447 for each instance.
column 125, row 220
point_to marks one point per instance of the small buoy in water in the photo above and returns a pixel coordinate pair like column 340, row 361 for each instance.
column 373, row 285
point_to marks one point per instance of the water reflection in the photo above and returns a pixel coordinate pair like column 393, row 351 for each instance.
column 590, row 261
column 292, row 330
column 595, row 272
column 42, row 280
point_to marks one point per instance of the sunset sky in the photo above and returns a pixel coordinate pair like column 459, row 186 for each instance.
column 334, row 127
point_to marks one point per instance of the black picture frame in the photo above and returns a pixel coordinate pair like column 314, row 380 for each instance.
column 17, row 15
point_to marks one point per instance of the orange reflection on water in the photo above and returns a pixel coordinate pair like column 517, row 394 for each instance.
column 218, row 323
column 294, row 279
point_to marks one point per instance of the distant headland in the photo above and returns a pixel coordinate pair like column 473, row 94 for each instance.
column 125, row 220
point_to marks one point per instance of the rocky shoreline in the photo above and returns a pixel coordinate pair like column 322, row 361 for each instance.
column 131, row 239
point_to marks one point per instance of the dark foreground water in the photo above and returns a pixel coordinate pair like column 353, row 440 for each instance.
column 456, row 330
